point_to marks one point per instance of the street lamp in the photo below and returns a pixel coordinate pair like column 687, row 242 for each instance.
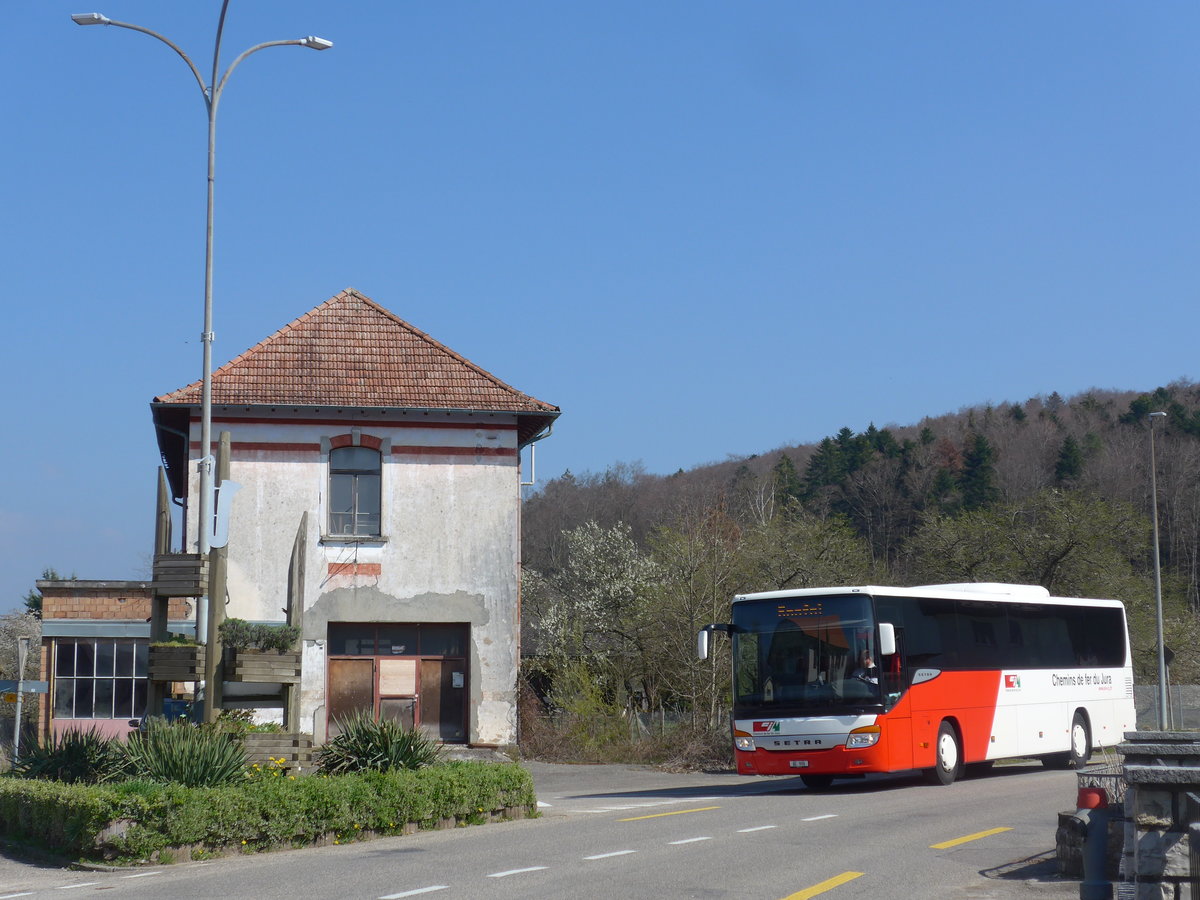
column 212, row 97
column 1158, row 611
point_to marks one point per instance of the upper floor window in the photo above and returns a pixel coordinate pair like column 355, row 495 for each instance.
column 354, row 491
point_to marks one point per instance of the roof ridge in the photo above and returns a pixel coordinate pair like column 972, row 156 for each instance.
column 377, row 368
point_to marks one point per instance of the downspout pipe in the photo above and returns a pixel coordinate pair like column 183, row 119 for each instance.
column 533, row 454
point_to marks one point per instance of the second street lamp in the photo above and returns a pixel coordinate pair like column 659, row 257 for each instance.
column 212, row 96
column 1158, row 610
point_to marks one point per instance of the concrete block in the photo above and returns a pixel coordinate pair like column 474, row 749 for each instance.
column 1153, row 806
column 1154, row 890
column 1184, row 776
column 1162, row 853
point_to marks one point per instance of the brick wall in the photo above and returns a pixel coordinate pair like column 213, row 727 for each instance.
column 99, row 600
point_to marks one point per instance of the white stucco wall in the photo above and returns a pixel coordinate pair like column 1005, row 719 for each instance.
column 449, row 553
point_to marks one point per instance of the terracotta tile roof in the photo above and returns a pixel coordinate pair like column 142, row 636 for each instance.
column 350, row 351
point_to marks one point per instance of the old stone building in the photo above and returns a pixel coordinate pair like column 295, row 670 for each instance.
column 389, row 466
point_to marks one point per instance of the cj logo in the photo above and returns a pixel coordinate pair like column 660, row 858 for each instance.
column 768, row 727
column 1012, row 682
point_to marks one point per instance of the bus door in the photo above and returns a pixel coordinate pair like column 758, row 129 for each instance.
column 893, row 680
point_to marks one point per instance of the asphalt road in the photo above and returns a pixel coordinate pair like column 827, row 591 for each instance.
column 620, row 831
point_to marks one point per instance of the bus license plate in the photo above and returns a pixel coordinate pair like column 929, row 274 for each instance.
column 798, row 763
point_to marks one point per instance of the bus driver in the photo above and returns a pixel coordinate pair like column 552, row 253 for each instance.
column 866, row 670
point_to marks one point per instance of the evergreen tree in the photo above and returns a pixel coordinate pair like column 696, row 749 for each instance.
column 978, row 479
column 33, row 599
column 789, row 487
column 825, row 468
column 1069, row 468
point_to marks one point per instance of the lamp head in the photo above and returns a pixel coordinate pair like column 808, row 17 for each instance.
column 89, row 19
column 316, row 43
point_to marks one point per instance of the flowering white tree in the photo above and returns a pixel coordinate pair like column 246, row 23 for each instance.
column 593, row 612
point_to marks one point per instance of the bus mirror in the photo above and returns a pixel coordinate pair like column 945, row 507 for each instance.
column 702, row 644
column 887, row 638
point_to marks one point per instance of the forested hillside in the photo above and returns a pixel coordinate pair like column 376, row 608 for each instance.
column 622, row 568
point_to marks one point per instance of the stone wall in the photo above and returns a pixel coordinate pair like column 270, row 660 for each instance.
column 1162, row 775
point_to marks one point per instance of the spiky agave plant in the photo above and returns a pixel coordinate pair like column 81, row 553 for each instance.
column 76, row 756
column 366, row 743
column 183, row 753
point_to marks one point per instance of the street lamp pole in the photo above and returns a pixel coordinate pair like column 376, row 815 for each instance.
column 211, row 93
column 1158, row 610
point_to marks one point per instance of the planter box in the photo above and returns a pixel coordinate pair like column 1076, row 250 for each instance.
column 180, row 575
column 176, row 662
column 264, row 666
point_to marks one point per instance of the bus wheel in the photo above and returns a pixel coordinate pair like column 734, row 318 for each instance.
column 817, row 782
column 1081, row 741
column 949, row 755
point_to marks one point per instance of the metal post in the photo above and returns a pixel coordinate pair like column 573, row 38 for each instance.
column 1158, row 610
column 22, row 655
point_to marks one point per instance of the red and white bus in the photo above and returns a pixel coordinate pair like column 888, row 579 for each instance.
column 838, row 682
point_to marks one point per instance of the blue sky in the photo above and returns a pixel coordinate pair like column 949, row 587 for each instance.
column 700, row 228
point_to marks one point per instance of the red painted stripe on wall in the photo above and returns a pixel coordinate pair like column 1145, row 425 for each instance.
column 396, row 451
column 340, row 424
column 355, row 568
column 455, row 451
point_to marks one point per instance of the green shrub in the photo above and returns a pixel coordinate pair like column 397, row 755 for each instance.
column 181, row 753
column 366, row 743
column 238, row 634
column 68, row 818
column 239, row 722
column 73, row 757
column 135, row 819
column 280, row 638
column 173, row 639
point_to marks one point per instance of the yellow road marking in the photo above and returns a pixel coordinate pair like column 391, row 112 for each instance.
column 828, row 885
column 678, row 812
column 970, row 837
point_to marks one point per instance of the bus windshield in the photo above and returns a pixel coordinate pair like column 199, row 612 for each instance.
column 805, row 653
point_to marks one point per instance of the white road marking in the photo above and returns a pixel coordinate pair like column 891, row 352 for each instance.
column 516, row 871
column 10, row 896
column 542, row 805
column 142, row 875
column 645, row 805
column 607, row 855
column 71, row 887
column 691, row 840
column 608, row 809
column 819, row 818
column 758, row 828
column 424, row 890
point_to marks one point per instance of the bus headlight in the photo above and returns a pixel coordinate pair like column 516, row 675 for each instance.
column 744, row 743
column 863, row 737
